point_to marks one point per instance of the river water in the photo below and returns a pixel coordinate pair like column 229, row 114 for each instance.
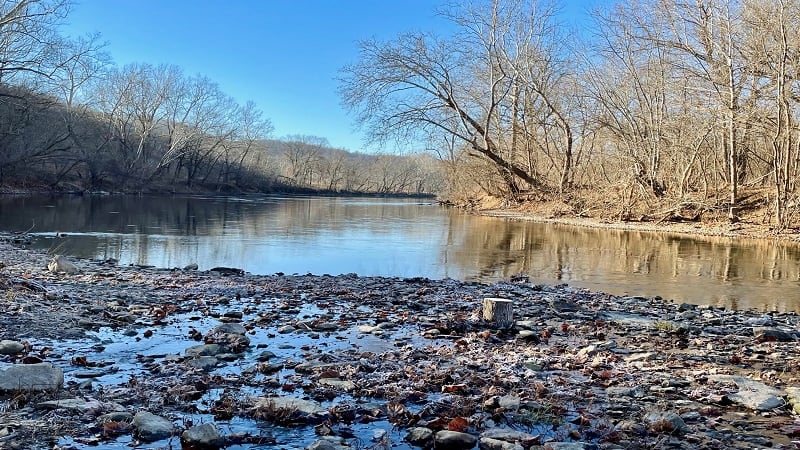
column 409, row 238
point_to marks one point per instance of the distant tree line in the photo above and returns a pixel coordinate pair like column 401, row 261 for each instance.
column 665, row 107
column 71, row 119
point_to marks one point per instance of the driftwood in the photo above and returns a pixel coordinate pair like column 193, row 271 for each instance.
column 499, row 311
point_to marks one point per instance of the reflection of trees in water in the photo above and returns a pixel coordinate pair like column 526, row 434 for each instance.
column 556, row 253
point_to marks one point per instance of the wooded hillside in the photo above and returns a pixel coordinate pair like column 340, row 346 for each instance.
column 72, row 120
column 664, row 109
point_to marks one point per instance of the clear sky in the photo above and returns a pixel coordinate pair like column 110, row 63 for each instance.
column 283, row 54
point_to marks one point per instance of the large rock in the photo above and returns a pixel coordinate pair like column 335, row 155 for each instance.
column 30, row 377
column 496, row 444
column 60, row 264
column 79, row 404
column 203, row 436
column 793, row 398
column 205, row 350
column 511, row 436
column 329, row 443
column 8, row 347
column 752, row 394
column 666, row 422
column 453, row 440
column 297, row 408
column 150, row 427
column 419, row 436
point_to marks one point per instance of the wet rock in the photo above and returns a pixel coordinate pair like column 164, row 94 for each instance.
column 203, row 436
column 205, row 350
column 192, row 266
column 751, row 394
column 329, row 443
column 772, row 335
column 344, row 385
column 265, row 356
column 8, row 347
column 302, row 410
column 511, row 436
column 454, row 440
column 79, row 404
column 286, row 329
column 496, row 444
column 30, row 377
column 204, row 363
column 379, row 434
column 229, row 328
column 566, row 446
column 150, row 427
column 60, row 264
column 419, row 436
column 116, row 416
column 793, row 398
column 666, row 422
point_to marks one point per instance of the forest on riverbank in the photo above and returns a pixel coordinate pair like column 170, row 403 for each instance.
column 72, row 120
column 660, row 110
column 655, row 111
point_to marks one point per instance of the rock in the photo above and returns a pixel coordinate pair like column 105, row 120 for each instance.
column 793, row 398
column 150, row 427
column 116, row 416
column 228, row 328
column 511, row 436
column 192, row 266
column 204, row 363
column 329, row 443
column 286, row 329
column 496, row 444
column 8, row 347
column 666, row 423
column 203, row 436
column 419, row 436
column 772, row 335
column 30, row 377
column 79, row 404
column 752, row 394
column 60, row 264
column 309, row 411
column 367, row 328
column 566, row 446
column 344, row 385
column 453, row 440
column 205, row 350
column 379, row 434
column 265, row 356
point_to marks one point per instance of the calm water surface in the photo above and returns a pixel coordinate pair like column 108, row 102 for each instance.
column 406, row 238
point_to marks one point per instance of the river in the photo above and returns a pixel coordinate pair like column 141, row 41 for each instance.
column 408, row 238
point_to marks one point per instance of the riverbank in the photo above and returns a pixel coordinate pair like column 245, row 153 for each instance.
column 281, row 361
column 754, row 222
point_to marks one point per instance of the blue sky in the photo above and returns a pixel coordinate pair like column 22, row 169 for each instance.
column 283, row 54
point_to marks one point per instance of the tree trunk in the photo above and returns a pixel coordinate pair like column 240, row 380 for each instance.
column 499, row 311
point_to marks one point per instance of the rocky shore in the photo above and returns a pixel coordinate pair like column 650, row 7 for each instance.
column 94, row 355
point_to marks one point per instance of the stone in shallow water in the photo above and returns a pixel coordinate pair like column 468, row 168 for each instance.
column 30, row 377
column 8, row 347
column 150, row 427
column 752, row 394
column 419, row 436
column 453, row 440
column 203, row 436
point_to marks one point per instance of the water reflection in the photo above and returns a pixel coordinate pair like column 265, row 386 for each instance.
column 406, row 238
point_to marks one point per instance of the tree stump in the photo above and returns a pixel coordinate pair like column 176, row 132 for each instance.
column 499, row 311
